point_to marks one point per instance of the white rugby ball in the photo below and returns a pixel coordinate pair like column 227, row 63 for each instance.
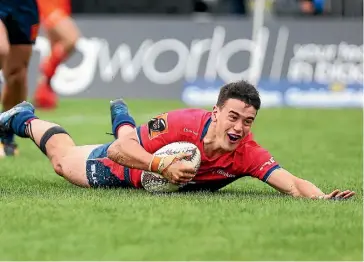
column 154, row 182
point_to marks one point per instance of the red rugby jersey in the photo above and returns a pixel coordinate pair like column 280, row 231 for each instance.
column 191, row 125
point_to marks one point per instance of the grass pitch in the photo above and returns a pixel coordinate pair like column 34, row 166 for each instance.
column 42, row 217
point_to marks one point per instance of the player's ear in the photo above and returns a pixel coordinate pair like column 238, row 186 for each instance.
column 214, row 113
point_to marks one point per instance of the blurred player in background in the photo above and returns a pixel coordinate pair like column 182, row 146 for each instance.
column 223, row 136
column 19, row 23
column 63, row 34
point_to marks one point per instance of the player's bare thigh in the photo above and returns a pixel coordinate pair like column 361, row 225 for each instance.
column 73, row 164
column 65, row 31
column 56, row 20
column 4, row 43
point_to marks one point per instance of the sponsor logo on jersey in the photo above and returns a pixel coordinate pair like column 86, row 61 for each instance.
column 224, row 173
column 158, row 125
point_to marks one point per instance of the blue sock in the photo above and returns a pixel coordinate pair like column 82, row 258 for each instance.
column 8, row 139
column 18, row 123
column 121, row 120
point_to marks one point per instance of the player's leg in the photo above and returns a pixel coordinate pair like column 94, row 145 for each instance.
column 6, row 8
column 15, row 89
column 120, row 116
column 22, row 28
column 4, row 49
column 85, row 166
column 15, row 71
column 67, row 159
column 63, row 37
column 63, row 34
column 4, row 43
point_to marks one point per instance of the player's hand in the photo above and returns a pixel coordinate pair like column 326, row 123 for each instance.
column 175, row 171
column 338, row 195
column 172, row 169
column 179, row 173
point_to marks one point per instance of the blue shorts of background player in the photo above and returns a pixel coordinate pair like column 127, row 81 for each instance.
column 21, row 20
column 19, row 24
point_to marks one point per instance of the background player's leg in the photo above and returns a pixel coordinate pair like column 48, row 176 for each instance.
column 63, row 34
column 22, row 29
column 4, row 50
column 63, row 37
column 15, row 88
column 4, row 43
column 15, row 73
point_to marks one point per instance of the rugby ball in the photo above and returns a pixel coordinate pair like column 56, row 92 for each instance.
column 156, row 183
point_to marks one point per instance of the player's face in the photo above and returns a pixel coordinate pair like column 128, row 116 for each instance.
column 233, row 122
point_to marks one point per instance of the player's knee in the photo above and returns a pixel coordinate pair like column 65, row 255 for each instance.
column 58, row 160
column 58, row 164
column 57, row 151
column 16, row 77
column 71, row 41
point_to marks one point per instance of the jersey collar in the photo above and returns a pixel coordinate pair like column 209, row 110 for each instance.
column 205, row 128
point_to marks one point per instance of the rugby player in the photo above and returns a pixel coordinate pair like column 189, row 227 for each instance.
column 63, row 34
column 19, row 23
column 228, row 150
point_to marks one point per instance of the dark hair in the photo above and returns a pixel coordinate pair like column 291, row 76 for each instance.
column 240, row 90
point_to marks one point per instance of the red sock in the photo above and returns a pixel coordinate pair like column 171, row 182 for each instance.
column 49, row 65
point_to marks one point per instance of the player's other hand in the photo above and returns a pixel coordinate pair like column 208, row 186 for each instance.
column 176, row 171
column 338, row 195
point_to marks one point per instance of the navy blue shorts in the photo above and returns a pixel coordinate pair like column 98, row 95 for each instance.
column 102, row 172
column 21, row 19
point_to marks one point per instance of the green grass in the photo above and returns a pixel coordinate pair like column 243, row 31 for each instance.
column 42, row 217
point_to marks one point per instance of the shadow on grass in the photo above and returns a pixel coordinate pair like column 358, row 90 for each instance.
column 20, row 186
column 250, row 193
column 226, row 194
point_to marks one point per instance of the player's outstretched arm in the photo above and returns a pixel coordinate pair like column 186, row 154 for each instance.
column 127, row 151
column 285, row 182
